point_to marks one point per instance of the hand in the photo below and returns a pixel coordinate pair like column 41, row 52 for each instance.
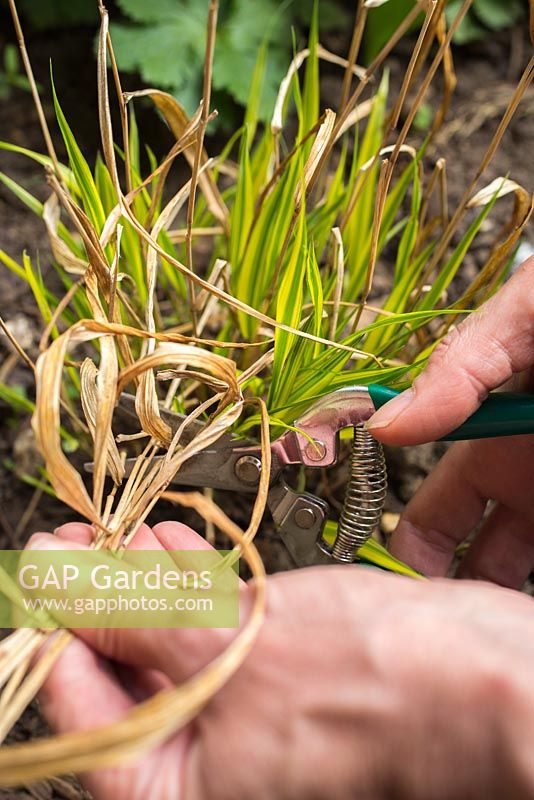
column 484, row 352
column 361, row 685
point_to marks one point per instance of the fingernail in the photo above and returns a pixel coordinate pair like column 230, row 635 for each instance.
column 390, row 411
column 45, row 541
column 39, row 541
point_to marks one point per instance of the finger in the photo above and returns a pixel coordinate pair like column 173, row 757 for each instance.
column 141, row 683
column 144, row 539
column 440, row 515
column 168, row 536
column 177, row 652
column 51, row 541
column 177, row 536
column 480, row 355
column 452, row 500
column 503, row 550
column 83, row 533
column 81, row 693
column 197, row 646
column 76, row 532
column 186, row 649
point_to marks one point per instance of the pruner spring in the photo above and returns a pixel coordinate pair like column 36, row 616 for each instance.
column 364, row 496
column 501, row 414
column 314, row 443
column 234, row 464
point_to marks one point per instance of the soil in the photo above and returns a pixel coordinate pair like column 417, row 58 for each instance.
column 487, row 74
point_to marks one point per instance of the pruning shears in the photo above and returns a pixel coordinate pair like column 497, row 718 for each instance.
column 235, row 464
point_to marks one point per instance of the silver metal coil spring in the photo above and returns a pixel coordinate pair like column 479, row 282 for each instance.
column 364, row 497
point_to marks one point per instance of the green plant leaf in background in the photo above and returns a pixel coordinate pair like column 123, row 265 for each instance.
column 497, row 15
column 164, row 40
column 11, row 76
column 163, row 33
column 483, row 16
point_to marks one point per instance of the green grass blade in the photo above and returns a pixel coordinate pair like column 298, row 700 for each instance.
column 37, row 207
column 357, row 232
column 448, row 272
column 255, row 92
column 35, row 282
column 409, row 237
column 84, row 179
column 23, row 195
column 45, row 161
column 289, row 303
column 16, row 399
column 315, row 289
column 242, row 209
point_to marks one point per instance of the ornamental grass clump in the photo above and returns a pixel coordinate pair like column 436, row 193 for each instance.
column 299, row 216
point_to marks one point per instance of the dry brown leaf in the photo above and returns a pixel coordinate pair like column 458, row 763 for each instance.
column 178, row 122
column 150, row 722
column 46, row 421
column 361, row 111
column 95, row 253
column 277, row 122
column 314, row 161
column 147, row 405
column 89, row 401
column 499, row 187
column 339, row 266
column 61, row 252
column 66, row 481
column 333, row 58
column 170, row 353
column 104, row 112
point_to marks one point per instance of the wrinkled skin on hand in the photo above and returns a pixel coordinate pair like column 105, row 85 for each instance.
column 361, row 684
column 483, row 353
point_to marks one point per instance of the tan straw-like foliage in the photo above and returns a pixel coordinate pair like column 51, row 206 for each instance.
column 123, row 346
column 117, row 517
column 153, row 721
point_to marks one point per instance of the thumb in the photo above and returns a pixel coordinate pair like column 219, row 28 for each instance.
column 478, row 356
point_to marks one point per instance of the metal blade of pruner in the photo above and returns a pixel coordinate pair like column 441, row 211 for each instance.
column 231, row 463
column 313, row 441
column 235, row 464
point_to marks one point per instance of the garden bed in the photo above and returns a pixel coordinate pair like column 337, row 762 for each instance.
column 487, row 75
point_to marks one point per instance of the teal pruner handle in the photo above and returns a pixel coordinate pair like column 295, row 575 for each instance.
column 501, row 414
